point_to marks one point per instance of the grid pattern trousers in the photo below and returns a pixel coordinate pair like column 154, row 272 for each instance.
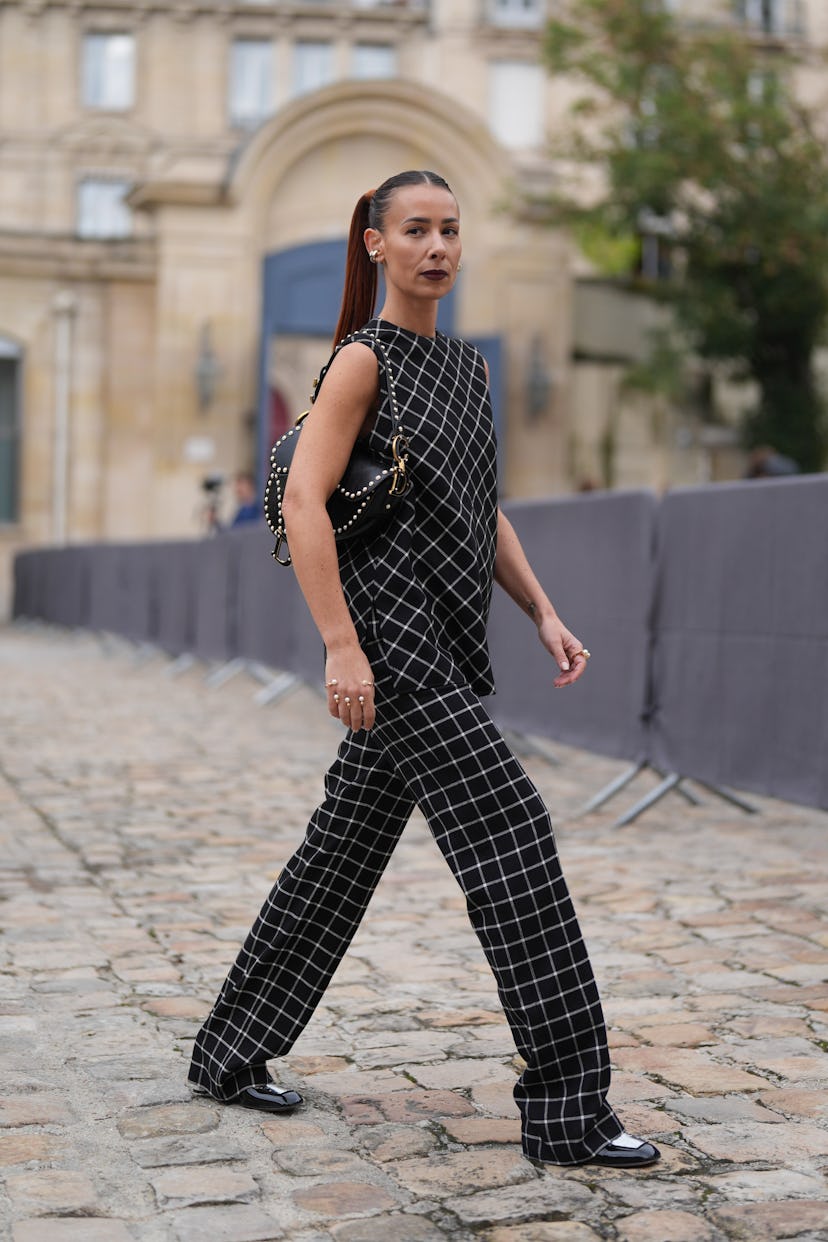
column 440, row 750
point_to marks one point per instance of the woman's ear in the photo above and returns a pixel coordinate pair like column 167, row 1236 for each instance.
column 373, row 243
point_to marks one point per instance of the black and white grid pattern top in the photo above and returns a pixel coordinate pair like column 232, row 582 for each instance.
column 419, row 591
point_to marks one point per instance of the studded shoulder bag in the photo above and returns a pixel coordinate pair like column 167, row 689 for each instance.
column 370, row 490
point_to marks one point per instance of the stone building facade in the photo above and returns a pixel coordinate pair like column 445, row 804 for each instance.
column 175, row 186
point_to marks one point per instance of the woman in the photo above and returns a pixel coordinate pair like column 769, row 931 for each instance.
column 403, row 618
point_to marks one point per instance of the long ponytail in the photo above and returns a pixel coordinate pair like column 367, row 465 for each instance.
column 360, row 291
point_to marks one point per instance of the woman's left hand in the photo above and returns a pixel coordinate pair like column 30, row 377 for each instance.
column 566, row 649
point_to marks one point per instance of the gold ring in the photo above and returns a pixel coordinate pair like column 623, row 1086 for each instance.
column 361, row 699
column 332, row 682
column 586, row 654
column 347, row 701
column 336, row 698
column 367, row 683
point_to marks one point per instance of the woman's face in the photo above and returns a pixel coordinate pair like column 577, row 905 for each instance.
column 420, row 241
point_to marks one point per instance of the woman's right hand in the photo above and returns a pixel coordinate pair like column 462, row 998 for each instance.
column 350, row 686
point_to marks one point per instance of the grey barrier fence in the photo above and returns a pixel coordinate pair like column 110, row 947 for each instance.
column 706, row 612
column 740, row 625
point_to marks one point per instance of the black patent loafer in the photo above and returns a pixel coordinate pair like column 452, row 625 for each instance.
column 619, row 1156
column 268, row 1098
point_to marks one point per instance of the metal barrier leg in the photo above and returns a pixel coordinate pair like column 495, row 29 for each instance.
column 688, row 794
column 649, row 799
column 615, row 786
column 223, row 674
column 180, row 665
column 524, row 745
column 276, row 689
column 727, row 795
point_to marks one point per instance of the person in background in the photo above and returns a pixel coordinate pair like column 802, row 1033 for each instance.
column 765, row 462
column 249, row 509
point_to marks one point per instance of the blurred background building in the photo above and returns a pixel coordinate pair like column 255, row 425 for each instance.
column 176, row 182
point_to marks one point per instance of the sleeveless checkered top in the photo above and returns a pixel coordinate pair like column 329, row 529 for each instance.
column 419, row 591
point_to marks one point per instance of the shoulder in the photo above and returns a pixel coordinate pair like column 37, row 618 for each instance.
column 352, row 369
column 471, row 353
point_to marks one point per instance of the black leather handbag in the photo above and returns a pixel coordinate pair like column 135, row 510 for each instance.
column 369, row 491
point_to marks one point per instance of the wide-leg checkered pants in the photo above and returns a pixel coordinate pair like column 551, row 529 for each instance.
column 440, row 750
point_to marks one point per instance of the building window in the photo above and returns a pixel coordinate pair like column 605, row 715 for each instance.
column 769, row 16
column 516, row 103
column 10, row 392
column 313, row 66
column 101, row 209
column 517, row 14
column 109, row 71
column 251, row 82
column 373, row 60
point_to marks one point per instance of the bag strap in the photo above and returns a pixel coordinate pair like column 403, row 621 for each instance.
column 371, row 339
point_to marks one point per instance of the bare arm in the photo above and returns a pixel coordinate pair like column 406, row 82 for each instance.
column 514, row 573
column 346, row 399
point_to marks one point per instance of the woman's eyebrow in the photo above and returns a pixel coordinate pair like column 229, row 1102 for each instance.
column 427, row 220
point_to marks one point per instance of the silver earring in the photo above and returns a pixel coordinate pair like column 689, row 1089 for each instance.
column 460, row 266
column 373, row 255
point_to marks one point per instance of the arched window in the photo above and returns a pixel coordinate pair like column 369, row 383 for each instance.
column 11, row 360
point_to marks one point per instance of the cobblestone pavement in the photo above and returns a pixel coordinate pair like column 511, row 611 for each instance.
column 143, row 819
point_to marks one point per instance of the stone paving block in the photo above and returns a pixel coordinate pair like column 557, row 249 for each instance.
column 287, row 1131
column 174, row 1007
column 543, row 1231
column 548, row 1198
column 748, row 1186
column 473, row 1130
column 23, row 1148
column 664, row 1226
column 36, row 1109
column 459, row 1172
column 335, row 1199
column 714, row 1108
column 411, row 1105
column 320, row 1161
column 496, row 1097
column 761, row 1222
column 49, row 1229
column 691, row 1069
column 456, row 1073
column 751, row 1141
column 401, row 1228
column 155, row 1153
column 796, row 1102
column 389, row 1142
column 807, row 1070
column 239, row 1223
column 193, row 1118
column 317, row 1065
column 193, row 1186
column 460, row 1017
column 45, row 1191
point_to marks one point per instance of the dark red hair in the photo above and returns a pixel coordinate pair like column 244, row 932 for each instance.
column 360, row 291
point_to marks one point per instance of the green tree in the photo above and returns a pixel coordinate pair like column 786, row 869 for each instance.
column 695, row 134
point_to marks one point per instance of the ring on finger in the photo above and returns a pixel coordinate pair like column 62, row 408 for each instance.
column 361, row 699
column 347, row 701
column 336, row 698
